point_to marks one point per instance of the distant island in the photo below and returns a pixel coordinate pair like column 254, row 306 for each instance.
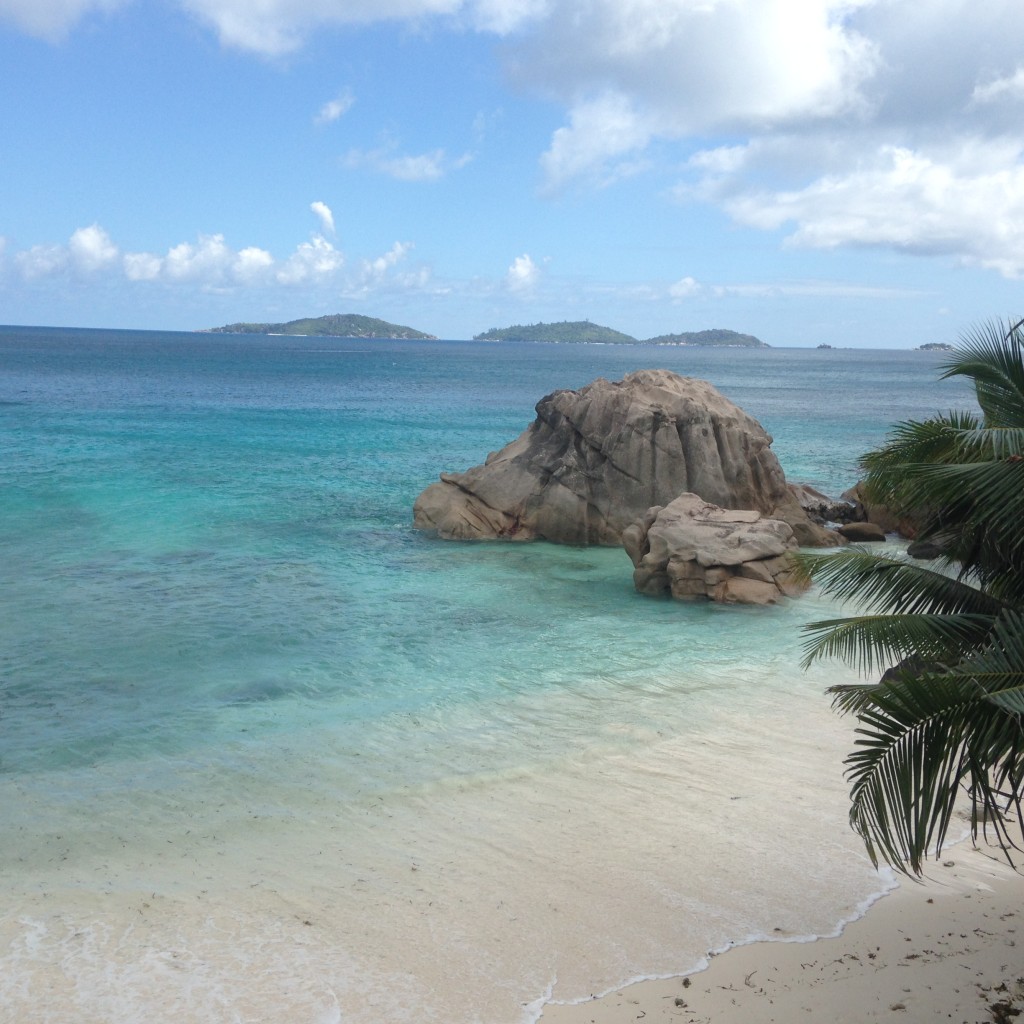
column 564, row 331
column 718, row 338
column 584, row 331
column 337, row 325
column 934, row 346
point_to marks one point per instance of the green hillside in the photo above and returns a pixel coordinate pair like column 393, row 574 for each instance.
column 718, row 338
column 564, row 331
column 337, row 325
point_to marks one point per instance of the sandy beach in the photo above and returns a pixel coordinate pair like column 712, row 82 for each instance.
column 948, row 948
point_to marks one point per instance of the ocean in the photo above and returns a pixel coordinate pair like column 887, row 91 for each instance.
column 267, row 754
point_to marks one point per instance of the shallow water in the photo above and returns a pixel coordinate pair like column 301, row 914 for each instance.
column 268, row 754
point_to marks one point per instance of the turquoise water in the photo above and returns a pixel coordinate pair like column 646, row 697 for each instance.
column 224, row 651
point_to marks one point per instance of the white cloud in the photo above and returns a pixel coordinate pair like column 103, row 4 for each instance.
column 631, row 71
column 971, row 207
column 204, row 262
column 375, row 270
column 275, row 27
column 335, row 108
column 51, row 19
column 600, row 130
column 142, row 266
column 684, row 288
column 251, row 265
column 91, row 249
column 324, row 215
column 422, row 167
column 1008, row 87
column 312, row 261
column 42, row 261
column 378, row 274
column 506, row 16
column 210, row 264
column 523, row 274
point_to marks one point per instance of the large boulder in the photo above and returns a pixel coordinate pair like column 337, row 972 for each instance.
column 596, row 459
column 696, row 550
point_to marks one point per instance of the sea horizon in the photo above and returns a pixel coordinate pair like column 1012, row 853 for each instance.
column 824, row 346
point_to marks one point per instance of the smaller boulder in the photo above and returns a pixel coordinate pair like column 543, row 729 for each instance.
column 699, row 551
column 860, row 532
column 871, row 512
column 925, row 549
column 822, row 509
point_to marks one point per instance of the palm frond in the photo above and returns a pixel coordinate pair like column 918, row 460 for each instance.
column 948, row 717
column 920, row 739
column 882, row 583
column 872, row 643
column 992, row 356
column 927, row 731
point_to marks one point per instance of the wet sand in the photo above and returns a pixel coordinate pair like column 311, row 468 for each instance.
column 950, row 948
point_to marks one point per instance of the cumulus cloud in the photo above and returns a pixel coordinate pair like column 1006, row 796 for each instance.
column 421, row 167
column 634, row 70
column 41, row 261
column 324, row 215
column 333, row 109
column 211, row 263
column 206, row 261
column 91, row 249
column 684, row 288
column 51, row 19
column 376, row 269
column 312, row 261
column 142, row 266
column 523, row 274
column 251, row 264
column 967, row 206
column 600, row 130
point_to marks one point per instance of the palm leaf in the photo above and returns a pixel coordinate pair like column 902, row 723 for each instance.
column 919, row 740
column 893, row 585
column 926, row 733
column 948, row 719
column 874, row 642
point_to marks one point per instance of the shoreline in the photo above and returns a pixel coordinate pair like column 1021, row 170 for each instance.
column 943, row 948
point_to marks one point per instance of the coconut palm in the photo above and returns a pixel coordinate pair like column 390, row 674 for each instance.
column 947, row 715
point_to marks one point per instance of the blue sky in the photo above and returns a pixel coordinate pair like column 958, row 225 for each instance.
column 845, row 172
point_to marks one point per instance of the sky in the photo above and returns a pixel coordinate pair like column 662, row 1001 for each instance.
column 842, row 172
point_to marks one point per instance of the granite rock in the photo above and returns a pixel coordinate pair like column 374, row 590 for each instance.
column 697, row 550
column 596, row 459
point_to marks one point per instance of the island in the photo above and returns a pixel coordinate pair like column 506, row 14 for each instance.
column 564, row 331
column 717, row 338
column 336, row 325
column 934, row 346
column 583, row 331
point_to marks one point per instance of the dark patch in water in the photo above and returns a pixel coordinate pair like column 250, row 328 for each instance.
column 258, row 693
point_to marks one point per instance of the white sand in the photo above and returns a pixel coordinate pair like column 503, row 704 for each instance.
column 940, row 950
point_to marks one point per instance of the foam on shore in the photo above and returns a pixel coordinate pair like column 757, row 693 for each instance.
column 944, row 949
